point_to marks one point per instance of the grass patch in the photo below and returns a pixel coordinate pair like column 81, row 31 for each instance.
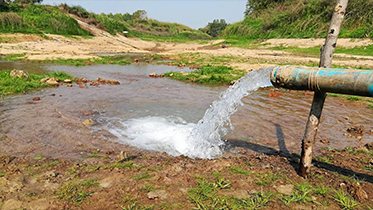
column 116, row 60
column 344, row 200
column 14, row 57
column 10, row 85
column 301, row 195
column 144, row 175
column 76, row 192
column 205, row 196
column 239, row 170
column 268, row 178
column 209, row 75
column 127, row 165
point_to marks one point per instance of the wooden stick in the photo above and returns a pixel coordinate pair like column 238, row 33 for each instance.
column 327, row 52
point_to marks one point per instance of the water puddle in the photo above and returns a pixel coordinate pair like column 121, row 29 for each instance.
column 159, row 114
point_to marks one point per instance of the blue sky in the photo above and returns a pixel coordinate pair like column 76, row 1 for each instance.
column 193, row 13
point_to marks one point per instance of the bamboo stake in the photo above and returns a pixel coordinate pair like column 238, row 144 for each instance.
column 327, row 52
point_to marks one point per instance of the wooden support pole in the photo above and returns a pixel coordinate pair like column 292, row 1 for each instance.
column 327, row 52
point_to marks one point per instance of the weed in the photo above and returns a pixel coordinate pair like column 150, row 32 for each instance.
column 321, row 190
column 256, row 201
column 344, row 200
column 239, row 170
column 354, row 98
column 51, row 164
column 147, row 188
column 2, row 174
column 127, row 165
column 38, row 157
column 268, row 178
column 223, row 184
column 144, row 175
column 76, row 192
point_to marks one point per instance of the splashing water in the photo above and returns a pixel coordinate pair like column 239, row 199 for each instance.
column 177, row 137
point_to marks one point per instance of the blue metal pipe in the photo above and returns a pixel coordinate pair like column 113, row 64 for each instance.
column 344, row 81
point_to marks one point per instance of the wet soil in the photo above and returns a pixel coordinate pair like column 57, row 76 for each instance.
column 46, row 148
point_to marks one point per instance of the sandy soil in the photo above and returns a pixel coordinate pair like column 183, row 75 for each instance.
column 38, row 48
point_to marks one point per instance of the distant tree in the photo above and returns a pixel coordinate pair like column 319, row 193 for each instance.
column 259, row 5
column 215, row 28
column 140, row 14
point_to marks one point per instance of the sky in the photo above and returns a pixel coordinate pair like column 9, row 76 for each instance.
column 193, row 13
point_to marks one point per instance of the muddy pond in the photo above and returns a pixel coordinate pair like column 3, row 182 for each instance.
column 269, row 121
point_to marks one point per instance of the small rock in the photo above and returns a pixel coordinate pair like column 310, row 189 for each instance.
column 12, row 204
column 324, row 141
column 88, row 122
column 233, row 81
column 356, row 129
column 52, row 81
column 369, row 146
column 67, row 81
column 161, row 194
column 36, row 99
column 346, row 118
column 18, row 73
column 44, row 80
column 285, row 189
column 69, row 85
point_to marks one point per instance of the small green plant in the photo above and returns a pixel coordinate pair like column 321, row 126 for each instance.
column 256, row 201
column 223, row 184
column 2, row 174
column 322, row 190
column 354, row 98
column 38, row 157
column 239, row 170
column 144, row 175
column 344, row 200
column 76, row 192
column 268, row 178
column 126, row 165
column 51, row 164
column 147, row 188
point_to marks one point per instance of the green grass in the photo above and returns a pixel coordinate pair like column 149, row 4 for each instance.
column 115, row 60
column 205, row 196
column 209, row 75
column 144, row 175
column 300, row 19
column 127, row 165
column 14, row 57
column 76, row 192
column 344, row 200
column 10, row 85
column 239, row 170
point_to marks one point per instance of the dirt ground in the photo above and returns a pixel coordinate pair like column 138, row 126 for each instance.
column 38, row 48
column 133, row 179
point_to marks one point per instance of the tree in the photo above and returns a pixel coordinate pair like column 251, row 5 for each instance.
column 259, row 5
column 215, row 28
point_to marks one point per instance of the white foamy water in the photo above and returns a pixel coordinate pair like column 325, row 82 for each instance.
column 195, row 140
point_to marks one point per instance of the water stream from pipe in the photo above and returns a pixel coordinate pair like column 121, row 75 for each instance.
column 196, row 140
